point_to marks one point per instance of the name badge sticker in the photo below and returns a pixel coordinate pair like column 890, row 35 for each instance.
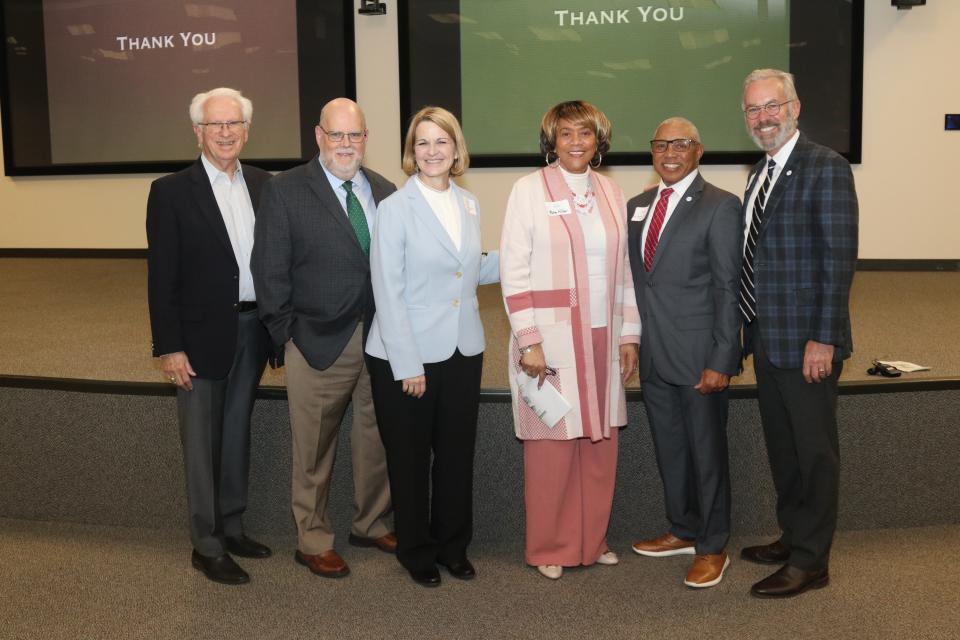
column 639, row 214
column 470, row 205
column 558, row 208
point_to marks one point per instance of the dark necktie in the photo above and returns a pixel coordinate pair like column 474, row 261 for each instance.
column 748, row 303
column 357, row 219
column 653, row 233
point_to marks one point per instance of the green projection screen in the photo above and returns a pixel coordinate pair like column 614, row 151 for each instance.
column 500, row 64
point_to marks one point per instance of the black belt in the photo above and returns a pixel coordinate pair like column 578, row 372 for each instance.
column 245, row 305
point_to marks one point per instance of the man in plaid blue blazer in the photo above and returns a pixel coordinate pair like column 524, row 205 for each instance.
column 800, row 252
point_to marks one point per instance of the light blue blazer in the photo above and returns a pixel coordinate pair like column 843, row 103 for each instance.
column 425, row 290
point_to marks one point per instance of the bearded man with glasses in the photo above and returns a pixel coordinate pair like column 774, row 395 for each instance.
column 799, row 255
column 311, row 265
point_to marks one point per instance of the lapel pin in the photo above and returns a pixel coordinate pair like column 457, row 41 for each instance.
column 790, row 172
column 689, row 198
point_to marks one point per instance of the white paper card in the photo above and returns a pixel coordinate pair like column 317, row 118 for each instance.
column 558, row 208
column 470, row 205
column 639, row 213
column 546, row 401
column 906, row 367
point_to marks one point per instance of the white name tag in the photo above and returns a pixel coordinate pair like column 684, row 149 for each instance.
column 558, row 208
column 639, row 213
column 470, row 205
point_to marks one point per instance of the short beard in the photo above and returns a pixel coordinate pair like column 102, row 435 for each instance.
column 787, row 129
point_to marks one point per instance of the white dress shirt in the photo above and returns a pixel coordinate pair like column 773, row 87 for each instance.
column 780, row 159
column 236, row 209
column 679, row 189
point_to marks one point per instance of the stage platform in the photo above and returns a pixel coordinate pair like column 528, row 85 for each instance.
column 92, row 491
column 86, row 320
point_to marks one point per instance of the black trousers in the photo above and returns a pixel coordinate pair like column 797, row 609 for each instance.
column 800, row 429
column 690, row 439
column 215, row 434
column 432, row 499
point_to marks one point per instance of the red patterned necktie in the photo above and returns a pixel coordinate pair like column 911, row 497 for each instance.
column 653, row 233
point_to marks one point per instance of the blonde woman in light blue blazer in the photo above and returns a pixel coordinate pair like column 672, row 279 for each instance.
column 425, row 348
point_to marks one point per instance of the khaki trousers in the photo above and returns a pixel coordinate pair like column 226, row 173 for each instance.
column 317, row 401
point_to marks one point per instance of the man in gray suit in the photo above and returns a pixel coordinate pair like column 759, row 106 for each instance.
column 685, row 241
column 311, row 268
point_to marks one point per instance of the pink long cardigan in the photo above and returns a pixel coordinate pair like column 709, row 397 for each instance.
column 543, row 275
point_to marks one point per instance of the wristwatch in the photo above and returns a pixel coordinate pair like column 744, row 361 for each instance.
column 527, row 349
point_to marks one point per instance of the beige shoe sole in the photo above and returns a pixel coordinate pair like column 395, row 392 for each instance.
column 683, row 551
column 709, row 583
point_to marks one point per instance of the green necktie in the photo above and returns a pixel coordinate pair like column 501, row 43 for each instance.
column 357, row 219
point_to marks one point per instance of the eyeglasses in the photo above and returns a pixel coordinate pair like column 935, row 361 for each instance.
column 772, row 109
column 230, row 125
column 680, row 145
column 337, row 136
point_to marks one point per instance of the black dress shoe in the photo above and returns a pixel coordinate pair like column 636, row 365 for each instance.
column 426, row 577
column 246, row 547
column 790, row 581
column 773, row 553
column 460, row 569
column 220, row 569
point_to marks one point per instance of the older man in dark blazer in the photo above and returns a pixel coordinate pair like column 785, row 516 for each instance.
column 312, row 270
column 206, row 332
column 685, row 255
column 800, row 252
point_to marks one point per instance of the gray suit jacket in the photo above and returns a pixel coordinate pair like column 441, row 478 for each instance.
column 311, row 276
column 689, row 313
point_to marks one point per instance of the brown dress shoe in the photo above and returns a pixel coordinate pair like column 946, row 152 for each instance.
column 790, row 581
column 386, row 543
column 707, row 570
column 666, row 545
column 328, row 564
column 773, row 553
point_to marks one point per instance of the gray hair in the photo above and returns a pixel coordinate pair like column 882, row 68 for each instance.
column 684, row 122
column 200, row 100
column 785, row 78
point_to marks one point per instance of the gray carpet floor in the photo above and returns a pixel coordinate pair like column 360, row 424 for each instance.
column 80, row 581
column 87, row 319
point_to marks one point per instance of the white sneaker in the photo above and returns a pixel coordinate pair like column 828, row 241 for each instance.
column 552, row 571
column 609, row 558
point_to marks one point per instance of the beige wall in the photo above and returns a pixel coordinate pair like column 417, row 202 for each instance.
column 909, row 161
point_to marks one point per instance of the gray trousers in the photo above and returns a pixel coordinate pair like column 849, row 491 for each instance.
column 690, row 439
column 215, row 434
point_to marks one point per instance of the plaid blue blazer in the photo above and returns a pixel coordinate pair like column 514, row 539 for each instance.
column 806, row 255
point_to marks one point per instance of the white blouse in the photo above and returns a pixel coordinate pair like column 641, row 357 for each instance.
column 595, row 239
column 444, row 206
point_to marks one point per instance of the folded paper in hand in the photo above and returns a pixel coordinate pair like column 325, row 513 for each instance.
column 546, row 401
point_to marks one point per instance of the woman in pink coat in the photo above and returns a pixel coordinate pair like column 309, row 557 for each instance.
column 569, row 295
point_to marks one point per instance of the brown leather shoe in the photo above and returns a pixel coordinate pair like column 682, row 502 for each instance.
column 386, row 543
column 790, row 581
column 666, row 545
column 328, row 564
column 707, row 570
column 773, row 553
